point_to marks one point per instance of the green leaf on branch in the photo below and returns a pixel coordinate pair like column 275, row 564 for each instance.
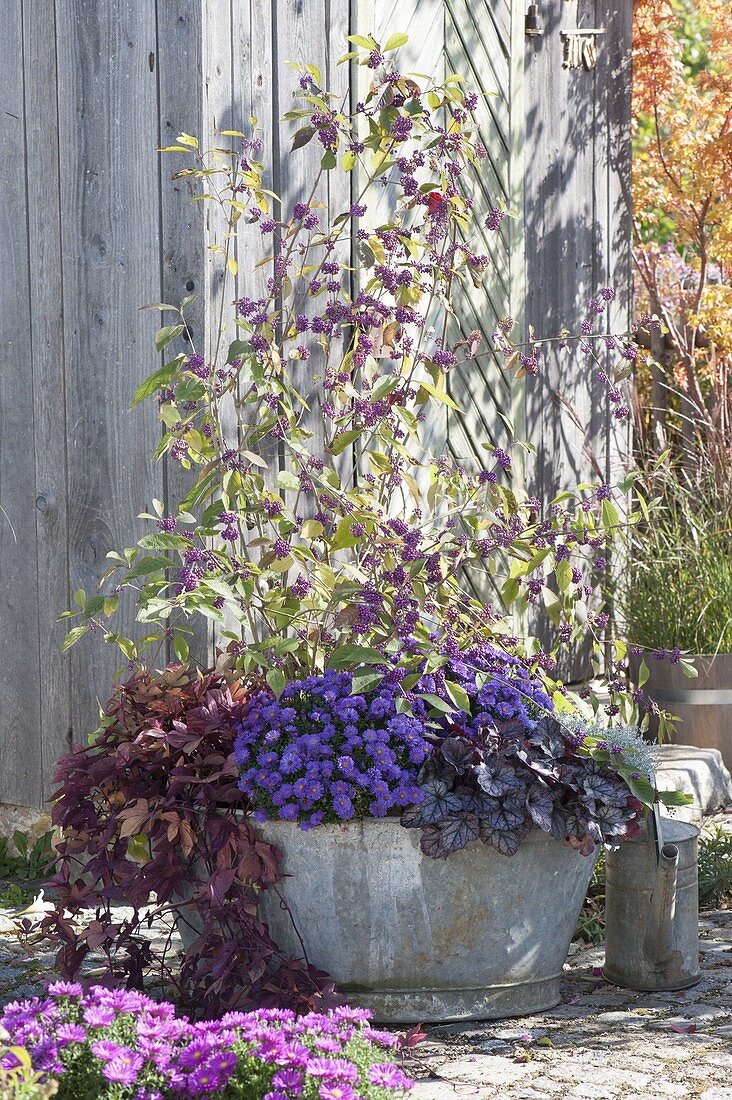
column 438, row 704
column 160, row 380
column 276, row 679
column 439, row 395
column 510, row 591
column 237, row 348
column 165, row 334
column 458, row 695
column 395, row 41
column 302, row 137
column 610, row 517
column 369, row 43
column 73, row 636
column 641, row 787
column 563, row 573
column 364, row 681
column 164, row 541
column 675, row 798
column 343, row 439
column 149, row 564
column 355, row 655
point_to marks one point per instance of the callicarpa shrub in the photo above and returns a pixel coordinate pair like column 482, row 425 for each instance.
column 120, row 1045
column 319, row 531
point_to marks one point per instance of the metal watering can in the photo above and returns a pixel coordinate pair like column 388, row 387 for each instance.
column 652, row 908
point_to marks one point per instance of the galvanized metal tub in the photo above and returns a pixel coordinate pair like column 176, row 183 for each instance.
column 475, row 937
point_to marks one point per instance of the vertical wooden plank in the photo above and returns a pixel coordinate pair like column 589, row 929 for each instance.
column 340, row 185
column 577, row 173
column 108, row 119
column 20, row 673
column 298, row 35
column 516, row 228
column 217, row 115
column 615, row 155
column 424, row 53
column 182, row 248
column 49, row 383
column 254, row 83
column 562, row 233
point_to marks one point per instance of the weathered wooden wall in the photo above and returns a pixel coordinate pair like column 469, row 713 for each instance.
column 91, row 228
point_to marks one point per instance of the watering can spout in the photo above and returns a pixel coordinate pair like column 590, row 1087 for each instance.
column 659, row 941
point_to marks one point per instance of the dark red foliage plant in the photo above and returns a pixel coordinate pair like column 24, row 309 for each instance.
column 152, row 819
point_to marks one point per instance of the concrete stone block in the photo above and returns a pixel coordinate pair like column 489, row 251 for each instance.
column 698, row 772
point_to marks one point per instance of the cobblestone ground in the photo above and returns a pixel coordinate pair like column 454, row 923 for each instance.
column 600, row 1042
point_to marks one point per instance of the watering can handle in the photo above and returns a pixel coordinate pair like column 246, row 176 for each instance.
column 657, row 827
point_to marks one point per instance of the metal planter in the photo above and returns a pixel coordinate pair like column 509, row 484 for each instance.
column 476, row 936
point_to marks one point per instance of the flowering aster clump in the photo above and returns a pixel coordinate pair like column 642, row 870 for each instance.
column 116, row 1044
column 499, row 686
column 322, row 751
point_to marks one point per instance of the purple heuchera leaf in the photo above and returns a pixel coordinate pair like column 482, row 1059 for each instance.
column 496, row 778
column 438, row 802
column 452, row 834
column 508, row 816
column 507, row 843
column 540, row 804
column 602, row 788
column 458, row 752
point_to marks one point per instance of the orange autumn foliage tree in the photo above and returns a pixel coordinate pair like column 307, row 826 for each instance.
column 682, row 197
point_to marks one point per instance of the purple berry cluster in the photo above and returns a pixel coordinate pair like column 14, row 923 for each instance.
column 320, row 753
column 118, row 1044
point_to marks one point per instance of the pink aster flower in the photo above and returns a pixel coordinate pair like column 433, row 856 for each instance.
column 336, row 1092
column 387, row 1076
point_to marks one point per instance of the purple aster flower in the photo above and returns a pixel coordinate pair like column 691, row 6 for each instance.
column 124, row 1068
column 196, row 1053
column 209, row 1079
column 288, row 1080
column 99, row 1016
column 70, row 1033
column 332, row 1069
